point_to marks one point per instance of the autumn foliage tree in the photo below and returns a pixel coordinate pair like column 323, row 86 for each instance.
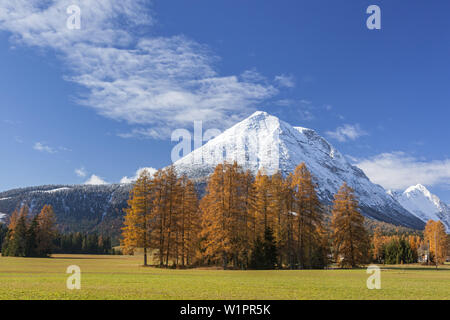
column 307, row 217
column 245, row 221
column 137, row 225
column 45, row 228
column 436, row 238
column 28, row 237
column 225, row 217
column 162, row 216
column 240, row 217
column 350, row 239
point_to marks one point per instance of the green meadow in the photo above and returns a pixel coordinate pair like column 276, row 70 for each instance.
column 123, row 277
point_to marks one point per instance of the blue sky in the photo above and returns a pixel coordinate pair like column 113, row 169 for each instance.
column 103, row 100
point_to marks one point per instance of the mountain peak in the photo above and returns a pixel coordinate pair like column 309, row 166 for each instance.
column 423, row 204
column 264, row 141
column 417, row 187
column 259, row 113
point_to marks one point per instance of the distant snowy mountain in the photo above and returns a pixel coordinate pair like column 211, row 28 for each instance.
column 424, row 205
column 264, row 141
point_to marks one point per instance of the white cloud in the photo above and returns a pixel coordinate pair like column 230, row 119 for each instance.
column 81, row 172
column 398, row 171
column 95, row 180
column 346, row 132
column 43, row 148
column 147, row 133
column 138, row 172
column 285, row 81
column 155, row 81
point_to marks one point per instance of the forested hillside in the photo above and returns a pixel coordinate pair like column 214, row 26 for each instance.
column 80, row 208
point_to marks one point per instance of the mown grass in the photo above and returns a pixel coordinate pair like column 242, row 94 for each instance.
column 123, row 277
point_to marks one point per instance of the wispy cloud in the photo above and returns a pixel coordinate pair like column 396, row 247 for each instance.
column 147, row 133
column 39, row 146
column 95, row 180
column 398, row 170
column 155, row 81
column 81, row 172
column 138, row 172
column 347, row 132
column 285, row 81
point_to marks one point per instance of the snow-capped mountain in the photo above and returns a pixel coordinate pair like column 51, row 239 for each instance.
column 424, row 205
column 264, row 141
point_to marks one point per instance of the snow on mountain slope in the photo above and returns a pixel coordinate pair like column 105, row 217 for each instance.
column 424, row 205
column 264, row 141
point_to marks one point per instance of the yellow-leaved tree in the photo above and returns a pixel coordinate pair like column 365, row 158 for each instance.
column 436, row 239
column 307, row 216
column 136, row 232
column 225, row 227
column 350, row 238
column 46, row 231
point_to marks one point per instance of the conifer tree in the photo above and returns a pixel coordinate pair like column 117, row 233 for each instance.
column 378, row 246
column 224, row 216
column 46, row 231
column 350, row 239
column 18, row 243
column 171, row 205
column 263, row 199
column 32, row 241
column 278, row 208
column 189, row 221
column 270, row 250
column 308, row 215
column 136, row 232
column 436, row 239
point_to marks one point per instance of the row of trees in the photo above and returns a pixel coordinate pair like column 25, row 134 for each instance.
column 163, row 215
column 401, row 249
column 82, row 243
column 38, row 237
column 242, row 221
column 27, row 237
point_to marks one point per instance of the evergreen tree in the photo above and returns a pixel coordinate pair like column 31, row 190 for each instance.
column 3, row 233
column 31, row 241
column 398, row 251
column 264, row 253
column 270, row 250
column 257, row 257
column 18, row 243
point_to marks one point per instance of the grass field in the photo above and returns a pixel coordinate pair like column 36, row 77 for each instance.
column 122, row 277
